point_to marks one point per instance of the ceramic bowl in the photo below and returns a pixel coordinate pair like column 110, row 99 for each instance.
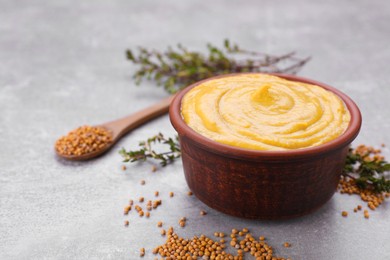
column 263, row 184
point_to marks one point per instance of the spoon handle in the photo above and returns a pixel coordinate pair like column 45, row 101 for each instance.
column 123, row 125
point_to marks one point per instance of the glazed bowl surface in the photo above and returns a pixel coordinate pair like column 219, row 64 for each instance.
column 263, row 184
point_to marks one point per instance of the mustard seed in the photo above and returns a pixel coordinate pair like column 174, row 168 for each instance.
column 126, row 210
column 142, row 182
column 286, row 244
column 141, row 199
column 202, row 212
column 189, row 193
column 142, row 252
column 154, row 168
column 123, row 168
column 126, row 223
column 159, row 224
column 171, row 194
column 147, row 214
column 344, row 213
column 156, row 193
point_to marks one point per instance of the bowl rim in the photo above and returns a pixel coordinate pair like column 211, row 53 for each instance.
column 242, row 153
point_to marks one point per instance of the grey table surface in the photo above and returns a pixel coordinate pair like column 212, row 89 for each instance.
column 62, row 65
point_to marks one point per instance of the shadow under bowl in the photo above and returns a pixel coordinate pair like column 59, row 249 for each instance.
column 263, row 184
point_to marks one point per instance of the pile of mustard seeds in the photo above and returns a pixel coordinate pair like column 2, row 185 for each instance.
column 204, row 247
column 83, row 140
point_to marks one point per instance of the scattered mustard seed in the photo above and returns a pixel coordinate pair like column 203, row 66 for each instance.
column 147, row 214
column 171, row 194
column 156, row 203
column 143, row 182
column 202, row 213
column 141, row 199
column 182, row 221
column 142, row 252
column 344, row 213
column 189, row 193
column 286, row 244
column 159, row 224
column 123, row 168
column 154, row 168
column 126, row 223
column 170, row 231
column 156, row 193
column 127, row 209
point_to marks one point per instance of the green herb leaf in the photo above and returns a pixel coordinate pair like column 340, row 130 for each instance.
column 367, row 172
column 146, row 150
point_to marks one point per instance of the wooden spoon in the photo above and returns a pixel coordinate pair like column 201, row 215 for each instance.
column 120, row 127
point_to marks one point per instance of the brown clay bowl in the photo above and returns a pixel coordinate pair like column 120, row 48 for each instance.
column 263, row 184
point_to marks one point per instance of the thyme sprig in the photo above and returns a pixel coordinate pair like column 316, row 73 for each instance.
column 146, row 150
column 368, row 171
column 178, row 68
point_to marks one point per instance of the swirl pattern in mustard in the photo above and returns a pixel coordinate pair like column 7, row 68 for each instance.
column 264, row 112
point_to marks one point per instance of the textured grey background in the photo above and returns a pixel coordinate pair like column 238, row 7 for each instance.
column 62, row 65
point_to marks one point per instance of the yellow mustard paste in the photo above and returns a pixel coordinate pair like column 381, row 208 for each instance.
column 264, row 112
